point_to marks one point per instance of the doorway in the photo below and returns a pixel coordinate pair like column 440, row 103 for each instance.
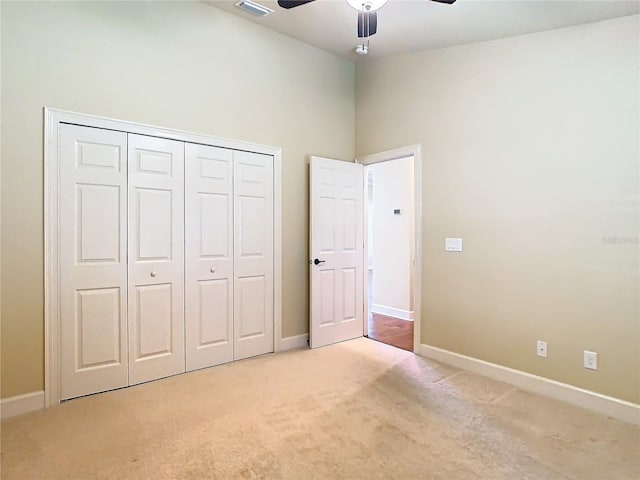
column 393, row 219
column 390, row 234
column 338, row 274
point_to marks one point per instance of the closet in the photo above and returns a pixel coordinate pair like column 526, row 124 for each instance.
column 165, row 257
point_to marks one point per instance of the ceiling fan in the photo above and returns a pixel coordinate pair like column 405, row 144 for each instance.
column 367, row 12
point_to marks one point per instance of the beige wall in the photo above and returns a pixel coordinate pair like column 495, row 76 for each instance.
column 531, row 154
column 180, row 65
column 392, row 235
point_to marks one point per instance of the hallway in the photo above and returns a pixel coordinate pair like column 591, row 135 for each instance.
column 392, row 331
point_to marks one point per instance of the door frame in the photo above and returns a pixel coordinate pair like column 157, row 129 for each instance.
column 52, row 119
column 395, row 154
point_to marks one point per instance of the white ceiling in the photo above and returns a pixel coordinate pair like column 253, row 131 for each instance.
column 413, row 25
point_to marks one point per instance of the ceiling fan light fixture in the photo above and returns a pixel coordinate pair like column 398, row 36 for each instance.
column 366, row 5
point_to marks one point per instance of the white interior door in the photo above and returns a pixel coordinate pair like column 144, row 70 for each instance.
column 337, row 251
column 156, row 258
column 93, row 260
column 209, row 255
column 253, row 254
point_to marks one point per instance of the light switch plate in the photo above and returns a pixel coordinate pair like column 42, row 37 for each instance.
column 453, row 244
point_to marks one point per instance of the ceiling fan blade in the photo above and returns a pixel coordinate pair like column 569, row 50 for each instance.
column 362, row 25
column 444, row 1
column 367, row 24
column 373, row 23
column 292, row 3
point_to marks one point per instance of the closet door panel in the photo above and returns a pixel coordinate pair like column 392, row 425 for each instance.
column 154, row 309
column 209, row 255
column 253, row 260
column 93, row 270
column 154, row 209
column 156, row 258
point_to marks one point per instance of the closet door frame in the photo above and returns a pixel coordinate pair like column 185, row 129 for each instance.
column 53, row 118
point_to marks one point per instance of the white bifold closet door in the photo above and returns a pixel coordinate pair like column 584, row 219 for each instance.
column 156, row 258
column 229, row 256
column 166, row 257
column 209, row 255
column 253, row 254
column 92, row 212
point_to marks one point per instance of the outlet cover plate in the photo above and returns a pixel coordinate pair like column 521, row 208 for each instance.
column 542, row 348
column 590, row 360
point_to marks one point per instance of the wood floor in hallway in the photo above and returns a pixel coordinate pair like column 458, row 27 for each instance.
column 392, row 331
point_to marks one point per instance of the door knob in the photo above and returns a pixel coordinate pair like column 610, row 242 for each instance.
column 318, row 262
column 154, row 273
column 213, row 270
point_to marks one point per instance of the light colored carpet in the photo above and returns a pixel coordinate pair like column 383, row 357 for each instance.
column 357, row 410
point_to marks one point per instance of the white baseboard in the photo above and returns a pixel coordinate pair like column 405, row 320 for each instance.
column 596, row 402
column 392, row 312
column 29, row 402
column 291, row 343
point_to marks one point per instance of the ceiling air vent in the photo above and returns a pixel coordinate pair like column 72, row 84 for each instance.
column 254, row 8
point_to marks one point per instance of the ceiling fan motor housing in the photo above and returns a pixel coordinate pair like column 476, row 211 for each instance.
column 366, row 5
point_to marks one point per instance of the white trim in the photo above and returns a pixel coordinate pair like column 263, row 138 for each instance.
column 63, row 116
column 29, row 402
column 402, row 152
column 596, row 402
column 277, row 250
column 52, row 119
column 297, row 341
column 392, row 312
column 51, row 277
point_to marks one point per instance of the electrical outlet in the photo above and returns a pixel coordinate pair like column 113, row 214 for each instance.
column 542, row 349
column 590, row 360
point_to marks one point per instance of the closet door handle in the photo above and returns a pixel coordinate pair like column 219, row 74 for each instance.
column 213, row 270
column 154, row 273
